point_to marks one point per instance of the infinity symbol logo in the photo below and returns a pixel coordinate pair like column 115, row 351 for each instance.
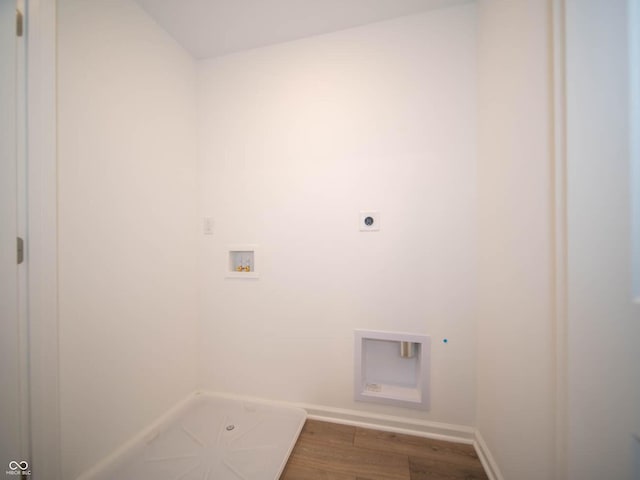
column 13, row 465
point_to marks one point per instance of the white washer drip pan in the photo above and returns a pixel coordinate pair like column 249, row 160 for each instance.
column 213, row 438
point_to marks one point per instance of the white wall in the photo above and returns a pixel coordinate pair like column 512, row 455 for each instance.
column 604, row 322
column 296, row 139
column 515, row 411
column 127, row 229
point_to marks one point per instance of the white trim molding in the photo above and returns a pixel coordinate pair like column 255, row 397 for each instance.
column 389, row 423
column 634, row 141
column 42, row 239
column 559, row 216
column 145, row 435
column 487, row 460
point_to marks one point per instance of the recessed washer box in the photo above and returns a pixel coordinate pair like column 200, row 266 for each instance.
column 242, row 261
column 392, row 368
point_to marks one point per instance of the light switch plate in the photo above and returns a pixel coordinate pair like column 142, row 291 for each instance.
column 369, row 221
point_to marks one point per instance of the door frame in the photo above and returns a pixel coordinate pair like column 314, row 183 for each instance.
column 559, row 229
column 42, row 268
column 42, row 244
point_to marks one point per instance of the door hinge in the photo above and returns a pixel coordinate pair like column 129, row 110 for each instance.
column 20, row 250
column 19, row 23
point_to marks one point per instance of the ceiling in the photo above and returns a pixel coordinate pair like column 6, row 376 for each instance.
column 209, row 28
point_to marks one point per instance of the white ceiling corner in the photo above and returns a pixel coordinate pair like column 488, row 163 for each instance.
column 210, row 28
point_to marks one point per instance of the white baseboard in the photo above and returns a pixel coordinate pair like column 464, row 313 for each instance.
column 143, row 435
column 389, row 423
column 488, row 462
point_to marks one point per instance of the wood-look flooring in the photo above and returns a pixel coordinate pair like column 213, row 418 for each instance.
column 328, row 451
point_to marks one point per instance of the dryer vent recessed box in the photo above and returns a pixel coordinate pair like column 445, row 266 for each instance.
column 392, row 368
